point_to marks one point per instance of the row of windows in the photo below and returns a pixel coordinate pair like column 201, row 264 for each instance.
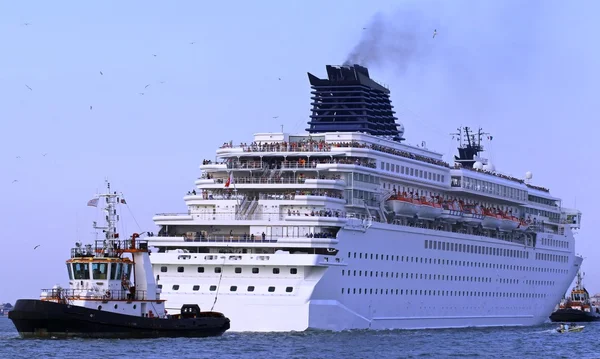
column 551, row 257
column 232, row 288
column 555, row 243
column 444, row 293
column 453, row 262
column 254, row 270
column 475, row 249
column 488, row 187
column 409, row 171
column 456, row 278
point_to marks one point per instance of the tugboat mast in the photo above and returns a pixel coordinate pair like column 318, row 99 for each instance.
column 111, row 217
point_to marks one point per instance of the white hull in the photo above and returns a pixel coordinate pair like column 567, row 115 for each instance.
column 466, row 289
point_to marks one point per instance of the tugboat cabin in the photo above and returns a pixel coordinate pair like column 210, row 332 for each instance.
column 109, row 273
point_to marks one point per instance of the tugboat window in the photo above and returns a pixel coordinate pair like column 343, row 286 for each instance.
column 119, row 268
column 70, row 271
column 113, row 271
column 99, row 270
column 126, row 271
column 81, row 271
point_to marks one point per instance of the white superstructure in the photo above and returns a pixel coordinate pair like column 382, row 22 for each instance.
column 351, row 230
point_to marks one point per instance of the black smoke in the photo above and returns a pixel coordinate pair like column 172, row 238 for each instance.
column 392, row 40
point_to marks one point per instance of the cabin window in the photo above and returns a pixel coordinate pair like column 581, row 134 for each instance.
column 100, row 270
column 175, row 286
column 126, row 271
column 70, row 270
column 271, row 289
column 213, row 288
column 113, row 270
column 179, row 269
column 293, row 270
column 119, row 271
column 251, row 288
column 81, row 271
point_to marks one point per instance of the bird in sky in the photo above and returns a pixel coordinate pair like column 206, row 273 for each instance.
column 162, row 82
column 191, row 43
column 141, row 93
column 90, row 107
column 18, row 156
column 154, row 55
column 279, row 78
column 146, row 86
column 14, row 181
column 101, row 73
column 27, row 24
column 44, row 154
column 36, row 246
column 28, row 87
column 364, row 28
column 434, row 33
column 275, row 116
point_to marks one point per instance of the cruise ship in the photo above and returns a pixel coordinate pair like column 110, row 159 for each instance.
column 346, row 226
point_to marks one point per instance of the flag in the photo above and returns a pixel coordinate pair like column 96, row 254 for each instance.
column 123, row 201
column 229, row 180
column 93, row 202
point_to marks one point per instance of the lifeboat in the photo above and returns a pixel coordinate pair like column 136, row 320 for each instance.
column 509, row 223
column 523, row 226
column 491, row 220
column 472, row 215
column 429, row 210
column 451, row 211
column 404, row 206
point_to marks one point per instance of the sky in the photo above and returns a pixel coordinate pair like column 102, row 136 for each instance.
column 180, row 78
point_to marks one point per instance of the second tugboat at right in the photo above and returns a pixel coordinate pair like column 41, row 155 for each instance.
column 578, row 307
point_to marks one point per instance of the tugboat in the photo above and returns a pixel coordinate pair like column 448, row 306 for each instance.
column 102, row 301
column 578, row 307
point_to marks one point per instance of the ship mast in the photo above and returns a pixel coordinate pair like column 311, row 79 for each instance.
column 469, row 145
column 111, row 217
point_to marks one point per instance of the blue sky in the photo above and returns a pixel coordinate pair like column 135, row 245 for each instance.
column 525, row 71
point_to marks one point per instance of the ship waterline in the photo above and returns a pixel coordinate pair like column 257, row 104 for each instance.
column 346, row 227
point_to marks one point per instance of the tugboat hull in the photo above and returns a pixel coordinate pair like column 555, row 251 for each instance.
column 573, row 315
column 37, row 318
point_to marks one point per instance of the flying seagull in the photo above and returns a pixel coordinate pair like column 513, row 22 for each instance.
column 279, row 78
column 27, row 24
column 191, row 43
column 364, row 28
column 162, row 82
column 141, row 93
column 146, row 86
column 44, row 154
column 18, row 156
column 275, row 116
column 434, row 33
column 154, row 55
column 36, row 246
column 28, row 87
column 15, row 181
column 101, row 73
column 90, row 107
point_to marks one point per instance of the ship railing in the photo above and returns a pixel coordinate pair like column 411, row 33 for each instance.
column 108, row 248
column 69, row 294
column 288, row 147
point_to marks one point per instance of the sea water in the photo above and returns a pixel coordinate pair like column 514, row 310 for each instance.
column 520, row 343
